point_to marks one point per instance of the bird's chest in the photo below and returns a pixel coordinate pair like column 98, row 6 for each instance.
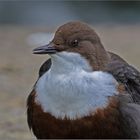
column 74, row 95
column 104, row 123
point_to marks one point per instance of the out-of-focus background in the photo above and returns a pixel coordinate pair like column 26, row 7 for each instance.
column 25, row 25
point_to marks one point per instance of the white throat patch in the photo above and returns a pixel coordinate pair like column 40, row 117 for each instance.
column 71, row 89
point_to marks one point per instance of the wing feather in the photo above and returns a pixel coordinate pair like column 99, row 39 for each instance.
column 45, row 67
column 127, row 75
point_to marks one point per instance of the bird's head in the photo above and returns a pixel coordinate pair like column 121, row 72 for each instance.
column 77, row 37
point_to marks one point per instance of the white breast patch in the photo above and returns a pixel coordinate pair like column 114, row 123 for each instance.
column 76, row 93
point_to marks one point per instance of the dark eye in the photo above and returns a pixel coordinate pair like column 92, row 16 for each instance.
column 74, row 43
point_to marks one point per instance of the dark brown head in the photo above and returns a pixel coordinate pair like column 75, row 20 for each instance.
column 77, row 37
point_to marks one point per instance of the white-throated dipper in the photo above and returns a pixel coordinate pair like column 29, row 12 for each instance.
column 83, row 91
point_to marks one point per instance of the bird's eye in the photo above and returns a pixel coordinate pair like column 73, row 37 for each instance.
column 74, row 43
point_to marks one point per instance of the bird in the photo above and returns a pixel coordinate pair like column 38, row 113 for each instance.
column 83, row 90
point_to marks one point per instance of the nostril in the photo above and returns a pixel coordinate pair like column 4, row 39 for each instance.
column 57, row 44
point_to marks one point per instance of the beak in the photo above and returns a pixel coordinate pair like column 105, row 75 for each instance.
column 46, row 49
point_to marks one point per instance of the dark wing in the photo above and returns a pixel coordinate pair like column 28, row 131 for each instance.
column 45, row 67
column 126, row 74
column 33, row 114
column 130, row 102
column 30, row 104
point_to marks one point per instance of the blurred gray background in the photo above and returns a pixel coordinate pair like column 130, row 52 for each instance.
column 53, row 13
column 25, row 25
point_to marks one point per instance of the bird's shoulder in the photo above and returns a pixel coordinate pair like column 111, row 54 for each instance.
column 129, row 107
column 125, row 74
column 45, row 67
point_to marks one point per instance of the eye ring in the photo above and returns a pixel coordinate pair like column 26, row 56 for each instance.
column 74, row 43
